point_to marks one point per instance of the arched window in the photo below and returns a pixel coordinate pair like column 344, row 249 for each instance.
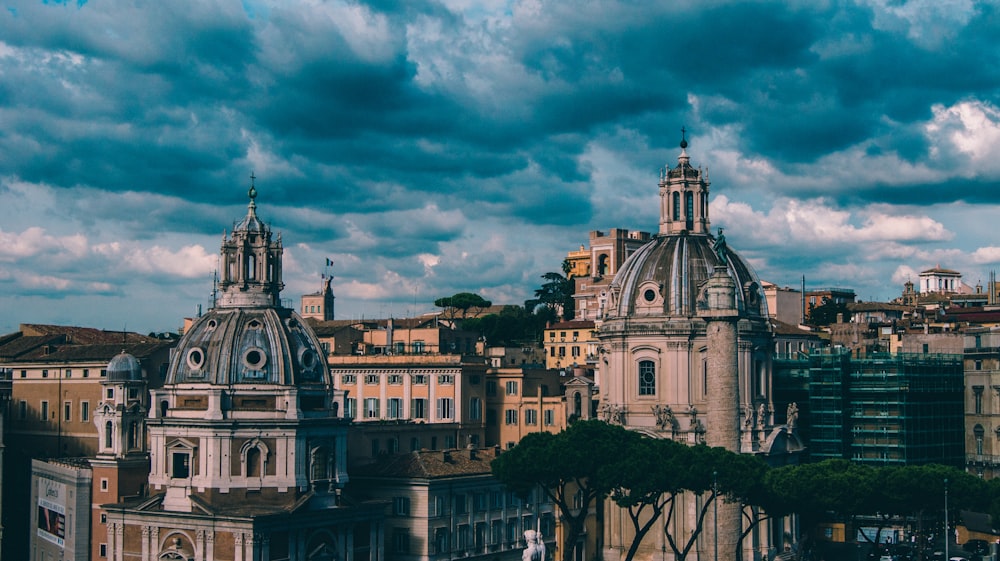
column 676, row 205
column 251, row 266
column 602, row 265
column 254, row 456
column 647, row 377
column 253, row 462
column 979, row 432
column 133, row 436
column 108, row 434
column 689, row 210
column 577, row 404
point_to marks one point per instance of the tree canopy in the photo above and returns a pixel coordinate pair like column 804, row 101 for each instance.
column 463, row 302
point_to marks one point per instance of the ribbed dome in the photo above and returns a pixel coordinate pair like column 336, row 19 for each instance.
column 124, row 368
column 249, row 346
column 664, row 277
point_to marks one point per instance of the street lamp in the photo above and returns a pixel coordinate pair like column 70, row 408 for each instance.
column 715, row 510
column 946, row 532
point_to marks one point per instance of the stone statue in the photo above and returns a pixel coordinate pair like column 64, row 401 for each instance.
column 534, row 547
column 606, row 412
column 720, row 248
column 694, row 418
column 792, row 416
column 762, row 414
column 748, row 417
column 618, row 415
column 664, row 416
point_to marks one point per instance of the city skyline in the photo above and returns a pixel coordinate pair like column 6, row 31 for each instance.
column 429, row 148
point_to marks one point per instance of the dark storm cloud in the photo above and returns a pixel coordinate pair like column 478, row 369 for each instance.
column 465, row 146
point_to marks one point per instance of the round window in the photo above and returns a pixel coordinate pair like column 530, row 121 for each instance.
column 212, row 324
column 255, row 359
column 308, row 359
column 196, row 358
column 649, row 295
column 254, row 324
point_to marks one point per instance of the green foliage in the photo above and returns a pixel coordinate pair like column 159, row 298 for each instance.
column 578, row 459
column 463, row 302
column 556, row 293
column 513, row 326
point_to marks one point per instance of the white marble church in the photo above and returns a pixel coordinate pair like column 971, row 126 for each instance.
column 686, row 355
column 247, row 438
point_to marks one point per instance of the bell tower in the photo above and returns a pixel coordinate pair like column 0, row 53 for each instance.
column 250, row 262
column 121, row 414
column 684, row 197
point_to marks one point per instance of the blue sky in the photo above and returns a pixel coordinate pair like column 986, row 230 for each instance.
column 435, row 147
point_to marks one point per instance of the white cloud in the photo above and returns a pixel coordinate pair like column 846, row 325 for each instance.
column 34, row 241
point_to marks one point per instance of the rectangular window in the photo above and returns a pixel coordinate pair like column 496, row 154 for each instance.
column 552, row 352
column 475, row 409
column 348, row 379
column 395, row 408
column 395, row 379
column 512, row 388
column 461, row 504
column 496, row 532
column 104, row 372
column 445, row 408
column 575, row 351
column 491, row 387
column 418, row 408
column 414, row 443
column 481, row 502
column 400, row 347
column 104, row 484
column 401, row 540
column 181, row 464
column 104, row 518
column 44, row 411
column 530, row 417
column 22, row 410
column 67, row 411
column 86, row 373
column 979, row 365
column 479, row 539
column 24, row 373
column 978, row 394
column 510, row 416
column 647, row 377
column 104, row 550
column 69, row 373
column 418, row 347
column 45, row 373
column 446, row 379
column 550, row 417
column 371, row 379
column 109, row 393
column 371, row 408
column 401, row 506
column 350, row 407
column 562, row 350
column 420, row 379
column 441, row 540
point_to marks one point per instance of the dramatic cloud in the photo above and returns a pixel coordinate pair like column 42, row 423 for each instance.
column 438, row 146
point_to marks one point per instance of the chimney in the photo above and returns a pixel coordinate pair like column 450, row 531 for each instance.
column 446, row 456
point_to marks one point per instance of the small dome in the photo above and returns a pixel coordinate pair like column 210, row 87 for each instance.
column 124, row 368
column 665, row 276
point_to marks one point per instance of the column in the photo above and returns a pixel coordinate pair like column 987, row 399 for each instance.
column 145, row 543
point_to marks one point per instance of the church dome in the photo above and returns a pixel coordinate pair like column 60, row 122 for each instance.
column 665, row 276
column 249, row 346
column 248, row 337
column 124, row 368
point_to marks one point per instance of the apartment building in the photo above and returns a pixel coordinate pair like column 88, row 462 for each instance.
column 446, row 505
column 411, row 402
